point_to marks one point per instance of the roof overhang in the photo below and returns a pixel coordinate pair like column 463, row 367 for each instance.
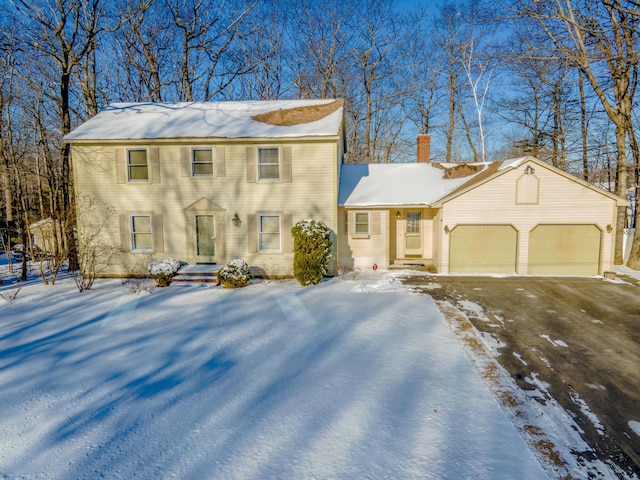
column 200, row 140
column 385, row 207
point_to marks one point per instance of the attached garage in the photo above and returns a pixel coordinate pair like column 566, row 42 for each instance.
column 483, row 249
column 564, row 249
column 520, row 216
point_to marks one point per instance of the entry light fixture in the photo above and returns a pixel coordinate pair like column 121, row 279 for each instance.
column 236, row 220
column 529, row 170
column 398, row 215
column 446, row 229
column 609, row 228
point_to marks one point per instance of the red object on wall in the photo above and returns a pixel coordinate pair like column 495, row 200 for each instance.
column 375, row 267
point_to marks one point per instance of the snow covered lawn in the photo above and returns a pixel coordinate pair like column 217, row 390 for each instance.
column 352, row 379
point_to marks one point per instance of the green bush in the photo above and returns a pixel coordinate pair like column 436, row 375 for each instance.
column 163, row 270
column 234, row 274
column 311, row 251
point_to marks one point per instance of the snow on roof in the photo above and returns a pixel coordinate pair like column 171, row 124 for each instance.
column 262, row 119
column 512, row 163
column 370, row 185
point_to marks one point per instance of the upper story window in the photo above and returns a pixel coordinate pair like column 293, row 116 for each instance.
column 202, row 162
column 137, row 165
column 268, row 163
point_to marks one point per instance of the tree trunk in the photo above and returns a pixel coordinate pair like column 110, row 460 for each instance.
column 67, row 178
column 8, row 196
column 621, row 190
column 583, row 127
column 634, row 255
column 452, row 117
column 25, row 240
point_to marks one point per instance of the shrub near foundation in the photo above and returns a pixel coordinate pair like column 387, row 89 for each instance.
column 234, row 274
column 163, row 271
column 311, row 251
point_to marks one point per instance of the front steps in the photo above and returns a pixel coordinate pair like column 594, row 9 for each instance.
column 199, row 273
column 419, row 264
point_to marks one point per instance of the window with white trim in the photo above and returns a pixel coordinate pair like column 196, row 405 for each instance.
column 137, row 165
column 413, row 222
column 269, row 233
column 202, row 162
column 141, row 233
column 361, row 224
column 268, row 163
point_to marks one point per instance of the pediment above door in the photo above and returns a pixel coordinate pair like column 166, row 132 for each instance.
column 204, row 205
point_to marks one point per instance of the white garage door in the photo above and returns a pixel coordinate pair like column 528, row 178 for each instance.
column 483, row 249
column 564, row 250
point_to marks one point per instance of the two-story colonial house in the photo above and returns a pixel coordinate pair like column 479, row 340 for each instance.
column 209, row 182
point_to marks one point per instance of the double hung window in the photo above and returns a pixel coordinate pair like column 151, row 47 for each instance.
column 269, row 233
column 268, row 163
column 361, row 226
column 202, row 162
column 141, row 233
column 137, row 165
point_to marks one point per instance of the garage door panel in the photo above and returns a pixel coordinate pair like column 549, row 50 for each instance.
column 564, row 250
column 483, row 249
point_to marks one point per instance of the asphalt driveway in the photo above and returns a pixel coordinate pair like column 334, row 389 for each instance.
column 579, row 335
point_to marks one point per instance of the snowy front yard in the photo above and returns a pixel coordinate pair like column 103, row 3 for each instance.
column 352, row 379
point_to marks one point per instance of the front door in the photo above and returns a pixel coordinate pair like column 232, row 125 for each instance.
column 413, row 234
column 205, row 239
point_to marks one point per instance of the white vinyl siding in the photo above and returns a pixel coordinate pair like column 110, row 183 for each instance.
column 559, row 200
column 311, row 194
column 361, row 252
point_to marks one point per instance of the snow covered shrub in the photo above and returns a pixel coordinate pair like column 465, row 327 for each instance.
column 234, row 274
column 311, row 251
column 163, row 270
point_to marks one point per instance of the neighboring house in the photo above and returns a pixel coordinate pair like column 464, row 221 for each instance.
column 517, row 216
column 46, row 238
column 209, row 182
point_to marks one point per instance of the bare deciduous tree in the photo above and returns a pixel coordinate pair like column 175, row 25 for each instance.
column 141, row 47
column 62, row 32
column 265, row 51
column 208, row 31
column 382, row 52
column 600, row 38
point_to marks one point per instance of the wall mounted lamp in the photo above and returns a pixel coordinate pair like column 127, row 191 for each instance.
column 398, row 215
column 609, row 228
column 446, row 229
column 529, row 170
column 236, row 220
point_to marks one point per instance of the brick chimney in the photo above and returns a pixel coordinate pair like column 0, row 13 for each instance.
column 424, row 147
